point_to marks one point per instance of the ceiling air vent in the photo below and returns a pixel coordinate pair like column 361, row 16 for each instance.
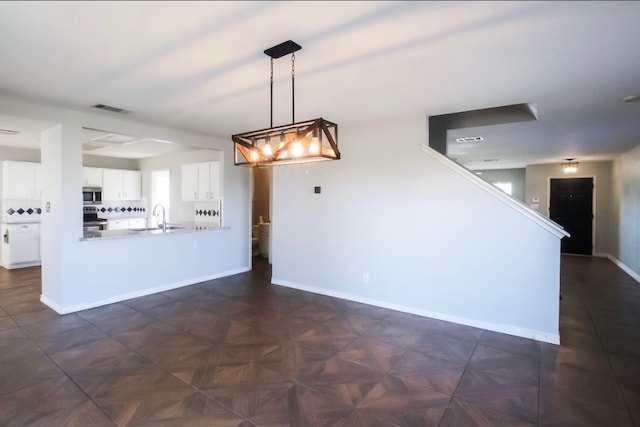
column 470, row 139
column 112, row 109
column 8, row 132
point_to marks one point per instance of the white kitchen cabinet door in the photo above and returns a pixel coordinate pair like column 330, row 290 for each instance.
column 24, row 243
column 121, row 184
column 190, row 182
column 20, row 180
column 117, row 224
column 91, row 177
column 111, row 184
column 38, row 187
column 215, row 187
column 137, row 223
column 201, row 181
column 204, row 189
column 131, row 185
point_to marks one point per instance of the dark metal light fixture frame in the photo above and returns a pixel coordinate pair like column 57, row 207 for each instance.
column 303, row 142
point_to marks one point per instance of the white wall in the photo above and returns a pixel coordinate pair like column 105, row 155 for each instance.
column 515, row 176
column 108, row 162
column 537, row 185
column 78, row 274
column 627, row 191
column 433, row 238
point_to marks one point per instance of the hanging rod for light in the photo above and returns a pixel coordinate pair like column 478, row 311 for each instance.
column 304, row 142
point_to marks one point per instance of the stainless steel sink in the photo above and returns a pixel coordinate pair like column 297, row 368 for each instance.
column 169, row 227
column 174, row 227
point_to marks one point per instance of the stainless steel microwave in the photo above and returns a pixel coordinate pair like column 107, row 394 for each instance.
column 91, row 195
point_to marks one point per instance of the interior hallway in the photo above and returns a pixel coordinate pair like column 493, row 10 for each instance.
column 238, row 352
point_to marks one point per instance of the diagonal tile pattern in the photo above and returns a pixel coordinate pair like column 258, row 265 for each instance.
column 238, row 352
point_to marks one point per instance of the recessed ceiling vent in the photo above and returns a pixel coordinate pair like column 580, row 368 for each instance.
column 470, row 139
column 112, row 109
column 8, row 132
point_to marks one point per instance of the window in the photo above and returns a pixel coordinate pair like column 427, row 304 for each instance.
column 160, row 193
column 504, row 186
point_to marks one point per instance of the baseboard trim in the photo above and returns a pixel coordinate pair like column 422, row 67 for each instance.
column 21, row 265
column 504, row 329
column 620, row 264
column 51, row 304
column 123, row 297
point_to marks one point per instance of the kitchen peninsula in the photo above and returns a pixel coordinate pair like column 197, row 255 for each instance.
column 189, row 227
column 79, row 273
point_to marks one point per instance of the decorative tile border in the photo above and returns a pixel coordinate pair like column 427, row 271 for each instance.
column 121, row 209
column 21, row 210
column 208, row 212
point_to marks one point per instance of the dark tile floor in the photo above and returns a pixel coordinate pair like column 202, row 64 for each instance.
column 239, row 352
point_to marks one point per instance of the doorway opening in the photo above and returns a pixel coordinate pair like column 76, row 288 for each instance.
column 571, row 205
column 261, row 213
column 160, row 193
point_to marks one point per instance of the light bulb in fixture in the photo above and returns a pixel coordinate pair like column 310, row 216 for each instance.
column 296, row 149
column 266, row 150
column 254, row 155
column 314, row 148
column 570, row 166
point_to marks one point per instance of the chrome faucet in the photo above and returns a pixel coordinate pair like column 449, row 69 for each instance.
column 164, row 220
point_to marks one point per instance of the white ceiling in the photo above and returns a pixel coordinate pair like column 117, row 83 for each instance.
column 200, row 66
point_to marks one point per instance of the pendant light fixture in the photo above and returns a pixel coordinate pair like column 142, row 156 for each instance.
column 570, row 166
column 303, row 142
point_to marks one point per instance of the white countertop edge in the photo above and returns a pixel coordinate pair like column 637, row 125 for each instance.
column 20, row 222
column 135, row 235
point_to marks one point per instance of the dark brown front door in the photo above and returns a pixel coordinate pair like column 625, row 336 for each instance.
column 571, row 205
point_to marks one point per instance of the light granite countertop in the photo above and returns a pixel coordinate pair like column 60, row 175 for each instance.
column 172, row 228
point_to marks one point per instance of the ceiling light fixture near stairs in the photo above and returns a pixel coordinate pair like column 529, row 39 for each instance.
column 303, row 142
column 570, row 166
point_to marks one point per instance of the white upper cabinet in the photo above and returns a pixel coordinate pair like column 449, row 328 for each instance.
column 91, row 177
column 21, row 180
column 201, row 181
column 132, row 185
column 190, row 182
column 215, row 187
column 120, row 184
column 111, row 184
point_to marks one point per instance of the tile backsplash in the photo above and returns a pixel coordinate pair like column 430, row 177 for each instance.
column 208, row 211
column 21, row 210
column 123, row 209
